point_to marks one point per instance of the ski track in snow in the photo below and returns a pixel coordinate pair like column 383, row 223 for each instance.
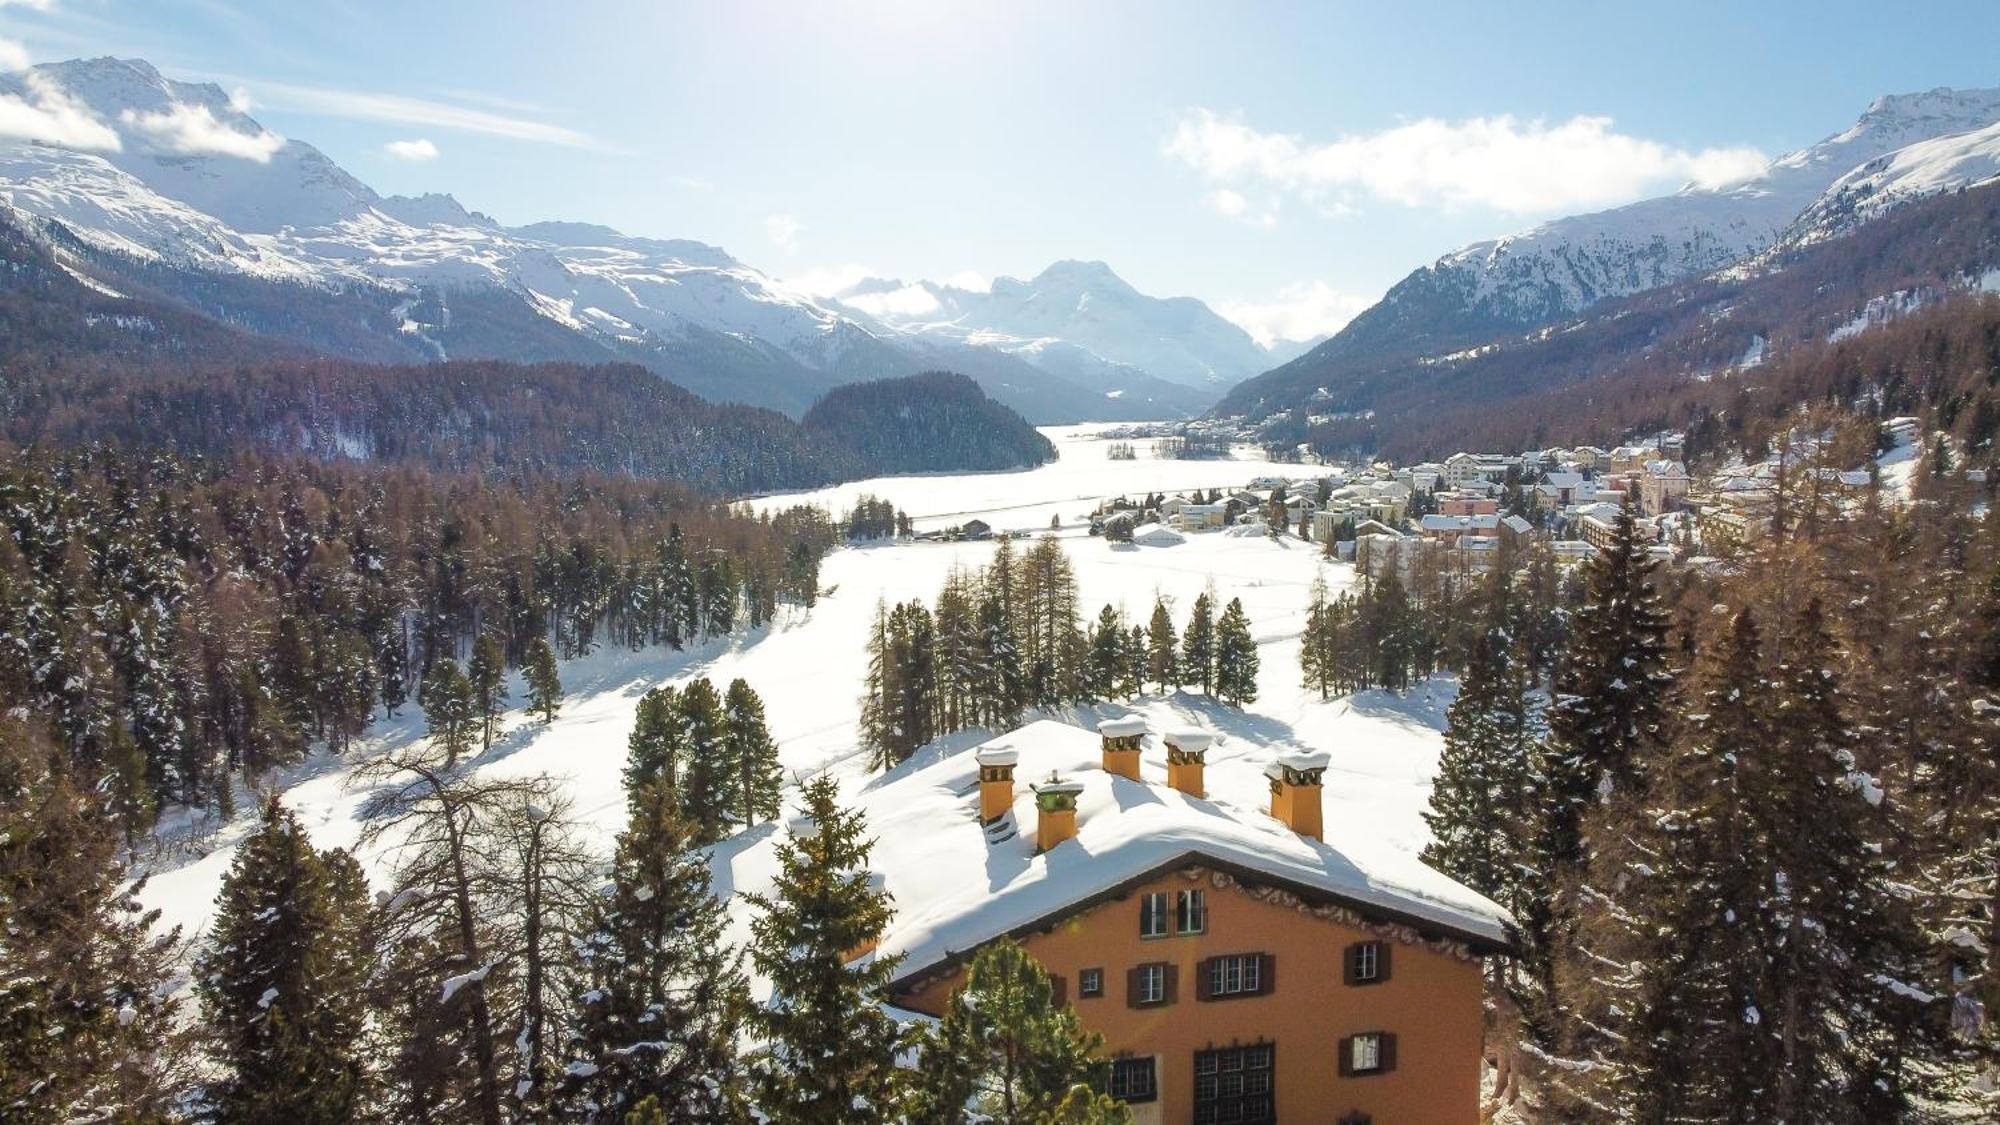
column 809, row 666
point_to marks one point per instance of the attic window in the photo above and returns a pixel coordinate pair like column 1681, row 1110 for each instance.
column 1190, row 912
column 1153, row 915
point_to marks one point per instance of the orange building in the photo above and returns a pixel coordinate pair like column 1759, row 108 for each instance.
column 1241, row 968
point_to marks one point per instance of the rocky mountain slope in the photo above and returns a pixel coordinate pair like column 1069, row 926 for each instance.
column 1499, row 288
column 171, row 187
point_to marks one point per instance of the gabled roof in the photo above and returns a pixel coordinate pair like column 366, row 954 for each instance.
column 955, row 889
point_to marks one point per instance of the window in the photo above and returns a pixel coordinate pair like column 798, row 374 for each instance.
column 1090, row 982
column 1132, row 1080
column 1233, row 1086
column 1238, row 975
column 1152, row 984
column 1190, row 912
column 1153, row 915
column 1366, row 962
column 1371, row 1052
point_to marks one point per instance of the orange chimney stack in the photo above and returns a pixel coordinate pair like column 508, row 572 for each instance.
column 1187, row 759
column 1055, row 811
column 1121, row 745
column 1296, row 780
column 996, row 781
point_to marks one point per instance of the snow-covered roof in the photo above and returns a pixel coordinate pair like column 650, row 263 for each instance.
column 954, row 890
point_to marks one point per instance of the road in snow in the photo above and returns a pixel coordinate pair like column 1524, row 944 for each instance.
column 809, row 668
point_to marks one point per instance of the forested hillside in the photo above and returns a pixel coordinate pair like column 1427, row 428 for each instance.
column 931, row 421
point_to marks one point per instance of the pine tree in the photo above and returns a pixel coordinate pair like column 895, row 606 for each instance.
column 1162, row 657
column 487, row 677
column 879, row 732
column 755, row 755
column 659, row 998
column 708, row 785
column 88, row 1020
column 1002, row 686
column 657, row 747
column 830, row 1049
column 1133, row 683
column 1236, row 657
column 446, row 698
column 283, row 985
column 545, row 691
column 1106, row 667
column 1004, row 1046
column 1198, row 649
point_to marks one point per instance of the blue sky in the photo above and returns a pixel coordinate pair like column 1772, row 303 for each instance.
column 1285, row 162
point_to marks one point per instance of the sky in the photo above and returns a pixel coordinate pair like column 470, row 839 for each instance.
column 1286, row 163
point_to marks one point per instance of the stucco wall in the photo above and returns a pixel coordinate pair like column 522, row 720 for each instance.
column 1431, row 1002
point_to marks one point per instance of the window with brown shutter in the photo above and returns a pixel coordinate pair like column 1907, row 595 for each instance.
column 1365, row 962
column 1058, row 989
column 1269, row 976
column 1204, row 979
column 1150, row 985
column 1173, row 983
column 1367, row 1053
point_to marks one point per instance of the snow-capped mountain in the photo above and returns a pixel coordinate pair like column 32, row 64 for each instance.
column 1072, row 318
column 178, row 177
column 1904, row 147
column 1565, row 266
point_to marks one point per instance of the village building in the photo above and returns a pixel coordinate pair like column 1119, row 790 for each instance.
column 1157, row 535
column 1246, row 957
column 1199, row 517
column 1661, row 486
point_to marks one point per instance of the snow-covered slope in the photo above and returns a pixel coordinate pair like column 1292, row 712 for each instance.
column 1076, row 318
column 178, row 175
column 1926, row 168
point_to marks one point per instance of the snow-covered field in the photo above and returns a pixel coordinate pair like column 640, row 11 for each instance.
column 809, row 666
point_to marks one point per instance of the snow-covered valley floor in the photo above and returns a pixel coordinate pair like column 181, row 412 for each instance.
column 809, row 667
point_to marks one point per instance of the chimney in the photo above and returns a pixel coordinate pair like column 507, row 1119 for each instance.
column 1121, row 745
column 1187, row 754
column 1295, row 789
column 996, row 781
column 1055, row 811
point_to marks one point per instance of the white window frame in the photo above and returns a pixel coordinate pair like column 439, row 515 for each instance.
column 1152, row 1069
column 1152, row 983
column 1083, row 982
column 1364, row 1052
column 1368, row 962
column 1155, row 915
column 1239, row 974
column 1191, row 905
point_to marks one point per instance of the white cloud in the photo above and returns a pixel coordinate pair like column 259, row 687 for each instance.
column 13, row 56
column 194, row 129
column 969, row 280
column 783, row 231
column 1227, row 202
column 1499, row 162
column 360, row 105
column 240, row 100
column 416, row 150
column 38, row 5
column 830, row 281
column 910, row 300
column 48, row 114
column 1299, row 312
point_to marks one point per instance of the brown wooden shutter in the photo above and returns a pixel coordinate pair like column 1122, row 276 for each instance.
column 1382, row 961
column 1267, row 974
column 1347, row 1056
column 1173, row 982
column 1132, row 987
column 1388, row 1051
column 1348, row 959
column 1204, row 979
column 1058, row 989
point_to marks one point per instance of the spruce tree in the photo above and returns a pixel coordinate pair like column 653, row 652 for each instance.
column 659, row 998
column 1479, row 813
column 830, row 1050
column 1198, row 649
column 1132, row 683
column 1319, row 660
column 283, row 986
column 1002, row 688
column 1005, row 1047
column 1236, row 657
column 754, row 753
column 1106, row 667
column 1163, row 664
column 545, row 691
